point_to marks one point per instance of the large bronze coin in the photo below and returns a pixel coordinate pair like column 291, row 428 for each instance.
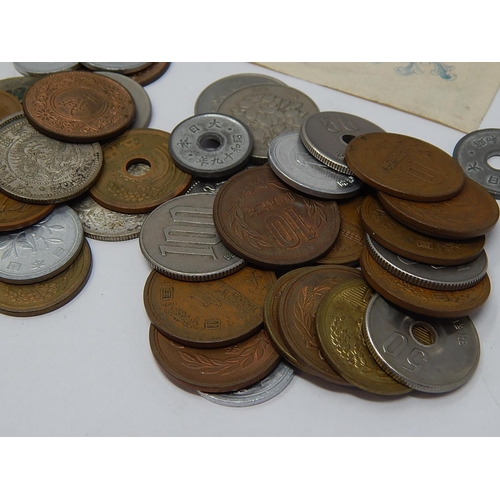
column 46, row 296
column 402, row 240
column 404, row 166
column 436, row 303
column 138, row 173
column 262, row 220
column 18, row 215
column 213, row 313
column 472, row 213
column 9, row 104
column 339, row 328
column 150, row 74
column 216, row 370
column 79, row 106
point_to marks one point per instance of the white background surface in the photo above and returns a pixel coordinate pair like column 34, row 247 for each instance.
column 87, row 369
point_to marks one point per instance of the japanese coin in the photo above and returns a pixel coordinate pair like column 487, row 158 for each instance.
column 213, row 313
column 44, row 68
column 48, row 295
column 117, row 67
column 9, row 104
column 405, row 167
column 150, row 74
column 326, row 135
column 221, row 369
column 179, row 240
column 17, row 215
column 211, row 145
column 426, row 354
column 18, row 85
column 124, row 188
column 339, row 329
column 267, row 223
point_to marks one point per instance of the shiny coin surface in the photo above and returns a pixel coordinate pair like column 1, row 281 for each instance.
column 48, row 295
column 426, row 354
column 326, row 135
column 117, row 67
column 179, row 240
column 150, row 74
column 17, row 214
column 267, row 223
column 18, row 85
column 404, row 167
column 9, row 104
column 295, row 166
column 44, row 68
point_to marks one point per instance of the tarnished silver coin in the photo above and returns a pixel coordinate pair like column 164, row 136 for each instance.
column 426, row 354
column 210, row 145
column 327, row 134
column 294, row 165
column 44, row 68
column 426, row 275
column 18, row 85
column 472, row 153
column 117, row 67
column 37, row 169
column 260, row 392
column 204, row 186
column 179, row 240
column 99, row 223
column 42, row 250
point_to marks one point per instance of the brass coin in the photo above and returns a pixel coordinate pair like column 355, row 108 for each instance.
column 79, row 106
column 216, row 370
column 339, row 328
column 9, row 104
column 213, row 313
column 262, row 220
column 138, row 173
column 472, row 213
column 404, row 166
column 402, row 240
column 436, row 303
column 46, row 296
column 18, row 215
column 150, row 74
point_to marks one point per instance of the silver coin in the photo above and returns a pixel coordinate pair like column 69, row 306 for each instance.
column 209, row 100
column 117, row 67
column 37, row 169
column 204, row 186
column 268, row 111
column 44, row 68
column 472, row 153
column 268, row 388
column 100, row 223
column 295, row 166
column 426, row 354
column 143, row 107
column 18, row 85
column 40, row 251
column 327, row 134
column 179, row 240
column 210, row 145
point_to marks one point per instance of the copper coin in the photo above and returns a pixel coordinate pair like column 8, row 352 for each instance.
column 79, row 106
column 472, row 213
column 46, row 296
column 18, row 85
column 150, row 74
column 436, row 303
column 216, row 370
column 9, row 104
column 213, row 313
column 138, row 173
column 404, row 166
column 400, row 239
column 264, row 221
column 18, row 215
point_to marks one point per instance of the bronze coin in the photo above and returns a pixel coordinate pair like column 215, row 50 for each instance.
column 402, row 240
column 436, row 303
column 262, row 220
column 222, row 369
column 18, row 85
column 79, row 106
column 213, row 313
column 404, row 166
column 150, row 74
column 9, row 104
column 138, row 173
column 46, row 296
column 18, row 215
column 471, row 213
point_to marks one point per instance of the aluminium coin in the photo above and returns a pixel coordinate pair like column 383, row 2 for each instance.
column 44, row 68
column 117, row 67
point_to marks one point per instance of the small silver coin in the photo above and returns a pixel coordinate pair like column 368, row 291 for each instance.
column 260, row 392
column 295, row 166
column 18, row 85
column 472, row 153
column 40, row 251
column 427, row 354
column 44, row 68
column 204, row 186
column 210, row 145
column 327, row 134
column 117, row 67
column 179, row 240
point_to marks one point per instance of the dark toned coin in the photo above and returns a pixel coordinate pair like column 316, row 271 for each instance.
column 18, row 215
column 79, row 106
column 472, row 213
column 216, row 370
column 404, row 166
column 150, row 74
column 18, row 85
column 264, row 221
column 9, row 104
